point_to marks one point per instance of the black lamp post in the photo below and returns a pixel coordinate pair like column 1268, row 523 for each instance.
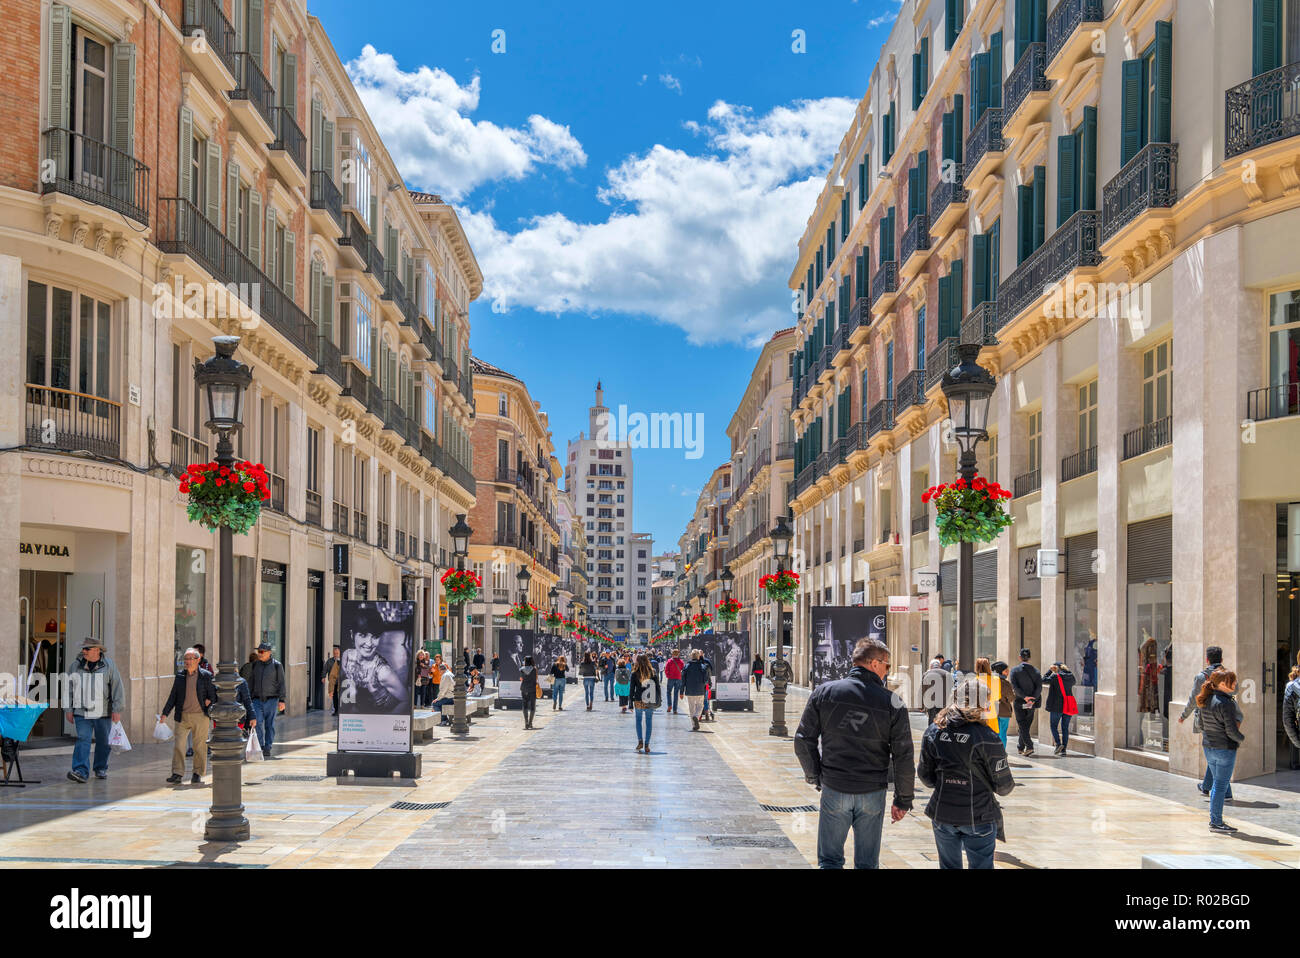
column 780, row 536
column 224, row 379
column 460, row 534
column 554, row 596
column 728, row 583
column 968, row 387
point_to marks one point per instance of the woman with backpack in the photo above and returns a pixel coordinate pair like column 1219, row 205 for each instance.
column 645, row 695
column 757, row 671
column 1061, row 705
column 587, row 671
column 622, row 683
column 1220, row 735
column 558, row 672
column 528, row 690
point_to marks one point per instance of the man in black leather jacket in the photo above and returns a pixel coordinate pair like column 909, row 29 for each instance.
column 1026, row 687
column 862, row 728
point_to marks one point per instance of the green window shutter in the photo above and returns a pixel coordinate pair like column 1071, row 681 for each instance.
column 1162, row 122
column 290, row 264
column 255, row 225
column 956, row 282
column 846, row 214
column 123, row 109
column 327, row 308
column 212, row 172
column 1025, row 221
column 60, row 60
column 269, row 250
column 1131, row 111
column 1040, row 205
column 949, row 152
column 916, row 80
column 958, row 113
column 979, row 83
column 995, row 260
column 254, row 29
column 913, row 180
column 289, row 95
column 317, row 119
column 923, row 181
column 995, row 70
column 316, row 294
column 237, row 22
column 925, row 66
column 1066, row 198
column 185, row 155
column 1040, row 21
column 1087, row 160
column 979, row 277
column 893, row 223
column 232, row 201
column 945, row 305
column 327, row 147
column 1267, row 45
column 1024, row 16
column 950, row 25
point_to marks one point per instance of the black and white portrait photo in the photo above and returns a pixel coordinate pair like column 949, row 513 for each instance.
column 835, row 630
column 377, row 640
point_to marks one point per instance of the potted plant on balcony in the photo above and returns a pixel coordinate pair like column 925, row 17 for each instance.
column 780, row 586
column 968, row 511
column 460, row 585
column 225, row 496
column 728, row 610
column 522, row 612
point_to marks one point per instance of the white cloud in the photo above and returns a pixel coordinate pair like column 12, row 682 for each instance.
column 703, row 241
column 671, row 82
column 423, row 118
column 884, row 18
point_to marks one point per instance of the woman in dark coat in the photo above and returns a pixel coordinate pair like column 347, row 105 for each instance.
column 1059, row 681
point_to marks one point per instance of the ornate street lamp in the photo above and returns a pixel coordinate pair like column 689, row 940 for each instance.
column 460, row 534
column 223, row 379
column 780, row 536
column 968, row 387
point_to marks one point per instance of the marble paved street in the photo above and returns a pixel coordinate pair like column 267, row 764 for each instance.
column 575, row 793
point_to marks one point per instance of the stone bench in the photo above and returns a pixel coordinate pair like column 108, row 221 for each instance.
column 423, row 722
column 482, row 703
column 1195, row 861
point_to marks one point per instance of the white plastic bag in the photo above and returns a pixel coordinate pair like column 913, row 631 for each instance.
column 162, row 731
column 252, row 750
column 117, row 738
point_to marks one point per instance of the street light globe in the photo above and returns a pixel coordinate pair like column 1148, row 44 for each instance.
column 968, row 387
column 781, row 536
column 224, row 379
column 460, row 534
column 728, row 580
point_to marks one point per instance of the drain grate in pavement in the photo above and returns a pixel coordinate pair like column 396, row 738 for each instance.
column 745, row 841
column 294, row 778
column 788, row 808
column 418, row 806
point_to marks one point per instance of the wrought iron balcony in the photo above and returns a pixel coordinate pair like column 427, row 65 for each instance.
column 980, row 325
column 950, row 193
column 395, row 293
column 96, row 173
column 881, row 417
column 1073, row 246
column 1262, row 110
column 1273, row 402
column 1149, row 181
column 356, row 238
column 186, row 450
column 859, row 314
column 329, row 359
column 207, row 18
column 884, row 285
column 916, row 240
column 81, row 422
column 183, row 229
column 1068, row 16
column 1153, row 435
column 252, row 85
column 984, row 140
column 1029, row 482
column 910, row 391
column 941, row 359
column 289, row 136
column 1079, row 464
column 920, row 523
column 326, row 196
column 857, row 436
column 1026, row 78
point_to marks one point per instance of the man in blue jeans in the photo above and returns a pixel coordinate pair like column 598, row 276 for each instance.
column 851, row 731
column 98, row 698
column 610, row 665
column 1213, row 660
column 673, row 670
column 266, row 686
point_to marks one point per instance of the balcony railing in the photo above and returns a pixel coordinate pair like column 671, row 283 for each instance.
column 1079, row 464
column 329, row 360
column 183, row 229
column 357, row 238
column 1066, row 18
column 916, row 238
column 910, row 391
column 289, row 136
column 1148, row 182
column 941, row 359
column 326, row 196
column 985, row 138
column 857, row 435
column 881, row 417
column 1273, row 402
column 1262, row 110
column 1026, row 78
column 73, row 422
column 884, row 282
column 920, row 523
column 859, row 314
column 218, row 34
column 784, row 450
column 96, row 173
column 1029, row 482
column 1146, row 438
column 980, row 325
column 395, row 292
column 186, row 451
column 396, row 419
column 859, row 544
column 252, row 85
column 313, row 508
column 1073, row 246
column 948, row 191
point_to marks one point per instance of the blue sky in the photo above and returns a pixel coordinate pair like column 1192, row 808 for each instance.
column 634, row 180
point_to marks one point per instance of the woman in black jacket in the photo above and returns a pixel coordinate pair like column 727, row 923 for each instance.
column 1059, row 681
column 965, row 764
column 528, row 690
column 587, row 672
column 558, row 672
column 645, row 696
column 1221, row 735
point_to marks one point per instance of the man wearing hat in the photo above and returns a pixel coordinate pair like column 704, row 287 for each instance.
column 266, row 685
column 192, row 696
column 97, row 701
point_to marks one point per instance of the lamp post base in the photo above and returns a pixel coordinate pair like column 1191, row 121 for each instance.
column 779, row 681
column 226, row 821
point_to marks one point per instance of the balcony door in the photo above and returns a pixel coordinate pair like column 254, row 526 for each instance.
column 69, row 370
column 90, row 90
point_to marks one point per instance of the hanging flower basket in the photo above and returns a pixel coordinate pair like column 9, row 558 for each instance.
column 522, row 612
column 780, row 586
column 702, row 620
column 460, row 585
column 728, row 610
column 968, row 512
column 223, row 496
column 553, row 619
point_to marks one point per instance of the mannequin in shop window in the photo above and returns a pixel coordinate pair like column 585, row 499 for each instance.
column 1148, row 675
column 1090, row 660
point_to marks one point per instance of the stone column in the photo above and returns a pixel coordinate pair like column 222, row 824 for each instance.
column 1011, row 463
column 12, row 418
column 1057, row 419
